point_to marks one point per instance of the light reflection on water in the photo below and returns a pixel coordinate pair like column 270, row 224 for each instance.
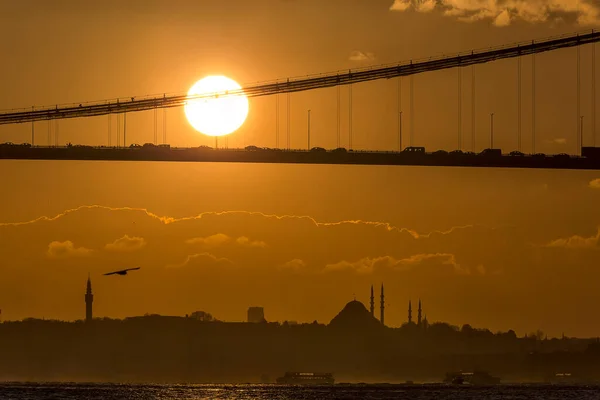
column 35, row 391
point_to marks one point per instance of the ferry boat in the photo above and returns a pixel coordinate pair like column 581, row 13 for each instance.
column 306, row 378
column 473, row 378
column 569, row 378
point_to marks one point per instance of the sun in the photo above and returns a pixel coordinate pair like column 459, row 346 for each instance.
column 216, row 115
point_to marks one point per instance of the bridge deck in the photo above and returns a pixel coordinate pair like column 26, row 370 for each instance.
column 23, row 152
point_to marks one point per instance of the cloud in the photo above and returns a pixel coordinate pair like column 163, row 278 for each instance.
column 210, row 241
column 556, row 141
column 172, row 220
column 244, row 241
column 436, row 258
column 426, row 5
column 576, row 242
column 126, row 244
column 363, row 266
column 361, row 56
column 595, row 184
column 370, row 265
column 202, row 260
column 419, row 5
column 294, row 265
column 220, row 239
column 504, row 12
column 503, row 19
column 65, row 250
column 401, row 5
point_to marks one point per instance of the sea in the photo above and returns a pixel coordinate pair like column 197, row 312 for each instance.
column 35, row 391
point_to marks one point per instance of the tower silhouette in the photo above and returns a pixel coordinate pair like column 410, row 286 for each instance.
column 409, row 312
column 382, row 307
column 89, row 299
column 372, row 302
column 419, row 314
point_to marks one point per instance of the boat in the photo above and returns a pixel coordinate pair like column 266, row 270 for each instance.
column 473, row 378
column 569, row 378
column 306, row 378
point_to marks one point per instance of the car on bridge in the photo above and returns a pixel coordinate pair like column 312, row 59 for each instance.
column 562, row 157
column 516, row 154
column 11, row 144
column 339, row 150
column 440, row 153
column 414, row 150
column 318, row 150
column 491, row 153
column 456, row 153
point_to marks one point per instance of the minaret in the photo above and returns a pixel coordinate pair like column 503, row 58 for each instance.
column 372, row 302
column 382, row 307
column 89, row 299
column 419, row 314
column 409, row 312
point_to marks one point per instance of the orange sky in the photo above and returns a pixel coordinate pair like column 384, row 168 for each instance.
column 486, row 247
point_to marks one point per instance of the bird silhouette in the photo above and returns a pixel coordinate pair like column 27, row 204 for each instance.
column 122, row 272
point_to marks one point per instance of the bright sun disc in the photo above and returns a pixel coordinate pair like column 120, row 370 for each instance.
column 216, row 115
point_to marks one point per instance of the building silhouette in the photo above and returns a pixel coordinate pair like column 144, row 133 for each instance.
column 355, row 318
column 89, row 299
column 202, row 316
column 421, row 318
column 256, row 314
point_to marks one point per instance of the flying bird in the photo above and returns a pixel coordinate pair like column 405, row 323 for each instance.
column 123, row 271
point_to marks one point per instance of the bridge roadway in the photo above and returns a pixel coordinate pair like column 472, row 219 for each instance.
column 272, row 156
column 320, row 81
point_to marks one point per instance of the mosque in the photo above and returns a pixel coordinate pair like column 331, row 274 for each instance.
column 355, row 314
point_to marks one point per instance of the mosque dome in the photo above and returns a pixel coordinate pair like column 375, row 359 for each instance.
column 355, row 316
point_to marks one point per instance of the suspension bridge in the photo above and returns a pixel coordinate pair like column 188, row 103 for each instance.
column 589, row 158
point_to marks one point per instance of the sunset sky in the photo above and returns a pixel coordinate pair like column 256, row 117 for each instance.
column 502, row 249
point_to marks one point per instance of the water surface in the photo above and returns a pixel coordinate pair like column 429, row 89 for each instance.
column 34, row 391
